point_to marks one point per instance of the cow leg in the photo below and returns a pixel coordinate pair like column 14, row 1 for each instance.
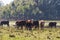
column 8, row 25
column 17, row 27
column 42, row 27
column 21, row 27
column 38, row 27
column 35, row 27
column 30, row 28
column 26, row 27
column 2, row 25
column 51, row 26
column 55, row 26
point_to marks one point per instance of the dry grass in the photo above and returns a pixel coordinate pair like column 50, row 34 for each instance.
column 11, row 33
column 14, row 34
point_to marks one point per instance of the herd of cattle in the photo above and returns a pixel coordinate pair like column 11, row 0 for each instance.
column 29, row 24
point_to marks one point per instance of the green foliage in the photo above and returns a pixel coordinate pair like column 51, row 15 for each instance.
column 31, row 9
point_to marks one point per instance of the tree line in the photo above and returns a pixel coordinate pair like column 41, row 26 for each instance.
column 31, row 9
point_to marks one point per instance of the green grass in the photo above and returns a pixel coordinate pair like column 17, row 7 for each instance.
column 12, row 33
column 46, row 34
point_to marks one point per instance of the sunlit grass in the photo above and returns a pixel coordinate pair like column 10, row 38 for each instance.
column 12, row 33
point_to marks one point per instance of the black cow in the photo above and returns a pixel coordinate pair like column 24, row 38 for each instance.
column 4, row 23
column 20, row 24
column 36, row 24
column 52, row 24
column 29, row 24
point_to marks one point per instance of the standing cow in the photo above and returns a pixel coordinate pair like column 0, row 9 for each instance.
column 4, row 23
column 29, row 25
column 20, row 23
column 52, row 24
column 42, row 24
column 36, row 24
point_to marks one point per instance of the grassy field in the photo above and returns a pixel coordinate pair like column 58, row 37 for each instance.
column 11, row 33
column 14, row 34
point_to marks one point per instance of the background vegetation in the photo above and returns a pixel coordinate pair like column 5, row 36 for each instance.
column 31, row 9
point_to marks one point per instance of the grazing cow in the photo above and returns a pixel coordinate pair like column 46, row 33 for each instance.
column 51, row 24
column 42, row 24
column 4, row 23
column 29, row 25
column 36, row 24
column 20, row 24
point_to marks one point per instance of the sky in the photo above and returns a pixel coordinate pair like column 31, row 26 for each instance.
column 6, row 1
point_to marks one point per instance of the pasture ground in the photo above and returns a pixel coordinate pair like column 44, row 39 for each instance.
column 14, row 34
column 11, row 33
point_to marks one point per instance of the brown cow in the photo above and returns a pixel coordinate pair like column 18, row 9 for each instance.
column 20, row 23
column 42, row 24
